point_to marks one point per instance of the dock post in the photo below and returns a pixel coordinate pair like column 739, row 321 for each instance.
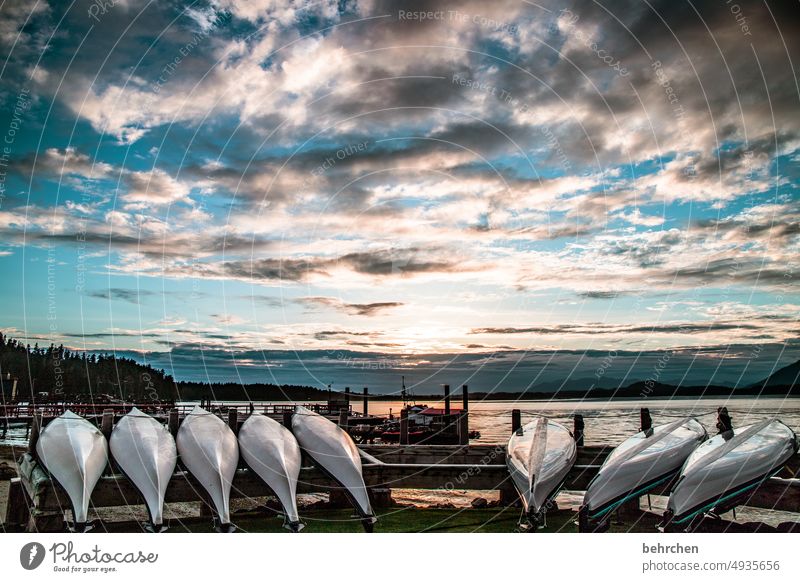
column 646, row 419
column 233, row 419
column 366, row 401
column 724, row 420
column 577, row 429
column 36, row 426
column 287, row 419
column 446, row 399
column 463, row 419
column 403, row 426
column 173, row 421
column 107, row 422
column 343, row 419
column 516, row 420
column 347, row 397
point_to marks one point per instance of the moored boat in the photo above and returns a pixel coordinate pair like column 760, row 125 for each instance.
column 539, row 456
column 648, row 459
column 336, row 454
column 145, row 451
column 271, row 450
column 208, row 449
column 75, row 453
column 724, row 470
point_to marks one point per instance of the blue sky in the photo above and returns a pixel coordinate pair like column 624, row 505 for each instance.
column 293, row 179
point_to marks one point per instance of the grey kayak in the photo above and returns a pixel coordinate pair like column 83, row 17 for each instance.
column 75, row 453
column 336, row 454
column 145, row 451
column 641, row 463
column 540, row 454
column 208, row 448
column 271, row 450
column 719, row 474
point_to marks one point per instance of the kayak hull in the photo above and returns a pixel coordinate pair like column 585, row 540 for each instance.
column 75, row 453
column 336, row 454
column 539, row 457
column 209, row 450
column 641, row 463
column 721, row 471
column 271, row 450
column 146, row 453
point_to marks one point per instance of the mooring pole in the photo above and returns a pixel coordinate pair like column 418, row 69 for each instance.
column 403, row 426
column 577, row 429
column 516, row 420
column 233, row 419
column 36, row 427
column 463, row 419
column 173, row 421
column 343, row 419
column 446, row 399
column 107, row 422
column 347, row 397
column 287, row 419
column 646, row 420
column 366, row 401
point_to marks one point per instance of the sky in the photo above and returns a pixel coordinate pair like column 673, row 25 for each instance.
column 508, row 193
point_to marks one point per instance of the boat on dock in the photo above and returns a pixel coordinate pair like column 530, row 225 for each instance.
column 335, row 453
column 539, row 457
column 722, row 472
column 75, row 453
column 271, row 450
column 209, row 450
column 646, row 460
column 146, row 453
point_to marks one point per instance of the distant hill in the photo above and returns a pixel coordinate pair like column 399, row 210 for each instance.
column 787, row 377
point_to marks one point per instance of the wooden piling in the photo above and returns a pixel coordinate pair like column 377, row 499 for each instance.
column 403, row 426
column 347, row 397
column 447, row 399
column 577, row 429
column 36, row 427
column 463, row 419
column 107, row 422
column 233, row 419
column 343, row 419
column 287, row 419
column 173, row 421
column 516, row 420
column 646, row 421
column 366, row 401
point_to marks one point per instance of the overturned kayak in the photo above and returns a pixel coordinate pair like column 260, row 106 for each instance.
column 644, row 461
column 208, row 448
column 271, row 450
column 145, row 451
column 75, row 453
column 336, row 454
column 540, row 454
column 725, row 469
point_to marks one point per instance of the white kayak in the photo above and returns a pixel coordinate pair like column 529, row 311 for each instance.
column 724, row 469
column 337, row 455
column 644, row 461
column 75, row 453
column 145, row 451
column 208, row 448
column 270, row 449
column 539, row 456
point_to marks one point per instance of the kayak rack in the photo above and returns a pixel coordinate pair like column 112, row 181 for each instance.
column 37, row 504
